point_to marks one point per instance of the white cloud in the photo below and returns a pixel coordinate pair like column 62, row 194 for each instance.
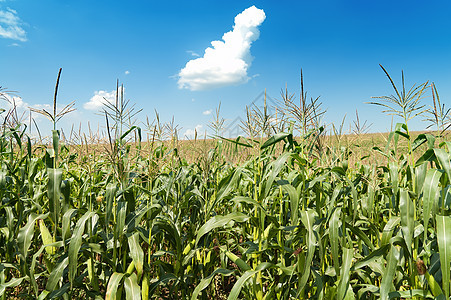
column 127, row 72
column 11, row 25
column 190, row 133
column 22, row 107
column 100, row 98
column 193, row 53
column 207, row 112
column 227, row 61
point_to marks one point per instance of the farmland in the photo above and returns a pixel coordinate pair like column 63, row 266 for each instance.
column 286, row 213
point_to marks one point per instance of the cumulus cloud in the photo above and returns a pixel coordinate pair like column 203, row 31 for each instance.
column 14, row 101
column 207, row 112
column 190, row 133
column 21, row 107
column 11, row 25
column 227, row 61
column 100, row 98
column 127, row 72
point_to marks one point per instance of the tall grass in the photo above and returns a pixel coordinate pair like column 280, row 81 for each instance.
column 293, row 220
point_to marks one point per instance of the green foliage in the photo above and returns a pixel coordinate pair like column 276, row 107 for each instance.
column 286, row 223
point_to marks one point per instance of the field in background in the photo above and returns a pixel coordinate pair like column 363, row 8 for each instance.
column 287, row 212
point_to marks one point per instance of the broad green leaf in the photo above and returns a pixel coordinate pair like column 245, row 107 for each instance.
column 75, row 244
column 65, row 192
column 294, row 203
column 57, row 294
column 343, row 285
column 388, row 230
column 205, row 282
column 54, row 192
column 136, row 253
column 113, row 284
column 56, row 275
column 334, row 238
column 373, row 256
column 132, row 289
column 420, row 175
column 238, row 261
column 121, row 214
column 25, row 235
column 235, row 292
column 308, row 219
column 274, row 139
column 407, row 217
column 250, row 201
column 389, row 273
column 421, row 294
column 10, row 284
column 394, row 177
column 275, row 168
column 444, row 158
column 46, row 237
column 430, row 190
column 110, row 195
column 444, row 246
column 359, row 233
column 220, row 221
column 68, row 215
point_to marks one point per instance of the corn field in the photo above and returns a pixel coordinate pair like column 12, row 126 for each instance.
column 296, row 219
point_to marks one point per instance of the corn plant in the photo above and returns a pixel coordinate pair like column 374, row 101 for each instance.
column 119, row 218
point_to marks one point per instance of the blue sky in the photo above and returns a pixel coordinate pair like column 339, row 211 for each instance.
column 146, row 45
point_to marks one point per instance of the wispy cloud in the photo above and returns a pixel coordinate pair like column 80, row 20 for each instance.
column 11, row 25
column 100, row 98
column 207, row 112
column 193, row 53
column 227, row 61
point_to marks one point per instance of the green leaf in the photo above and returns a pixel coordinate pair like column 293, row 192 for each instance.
column 235, row 292
column 389, row 273
column 110, row 195
column 136, row 252
column 430, row 200
column 113, row 284
column 308, row 219
column 275, row 168
column 56, row 275
column 294, row 203
column 132, row 289
column 444, row 246
column 422, row 294
column 343, row 285
column 334, row 238
column 274, row 139
column 236, row 141
column 75, row 244
column 238, row 261
column 68, row 215
column 361, row 235
column 407, row 217
column 444, row 158
column 10, row 284
column 54, row 193
column 205, row 282
column 120, row 219
column 373, row 256
column 220, row 221
column 388, row 230
column 25, row 235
